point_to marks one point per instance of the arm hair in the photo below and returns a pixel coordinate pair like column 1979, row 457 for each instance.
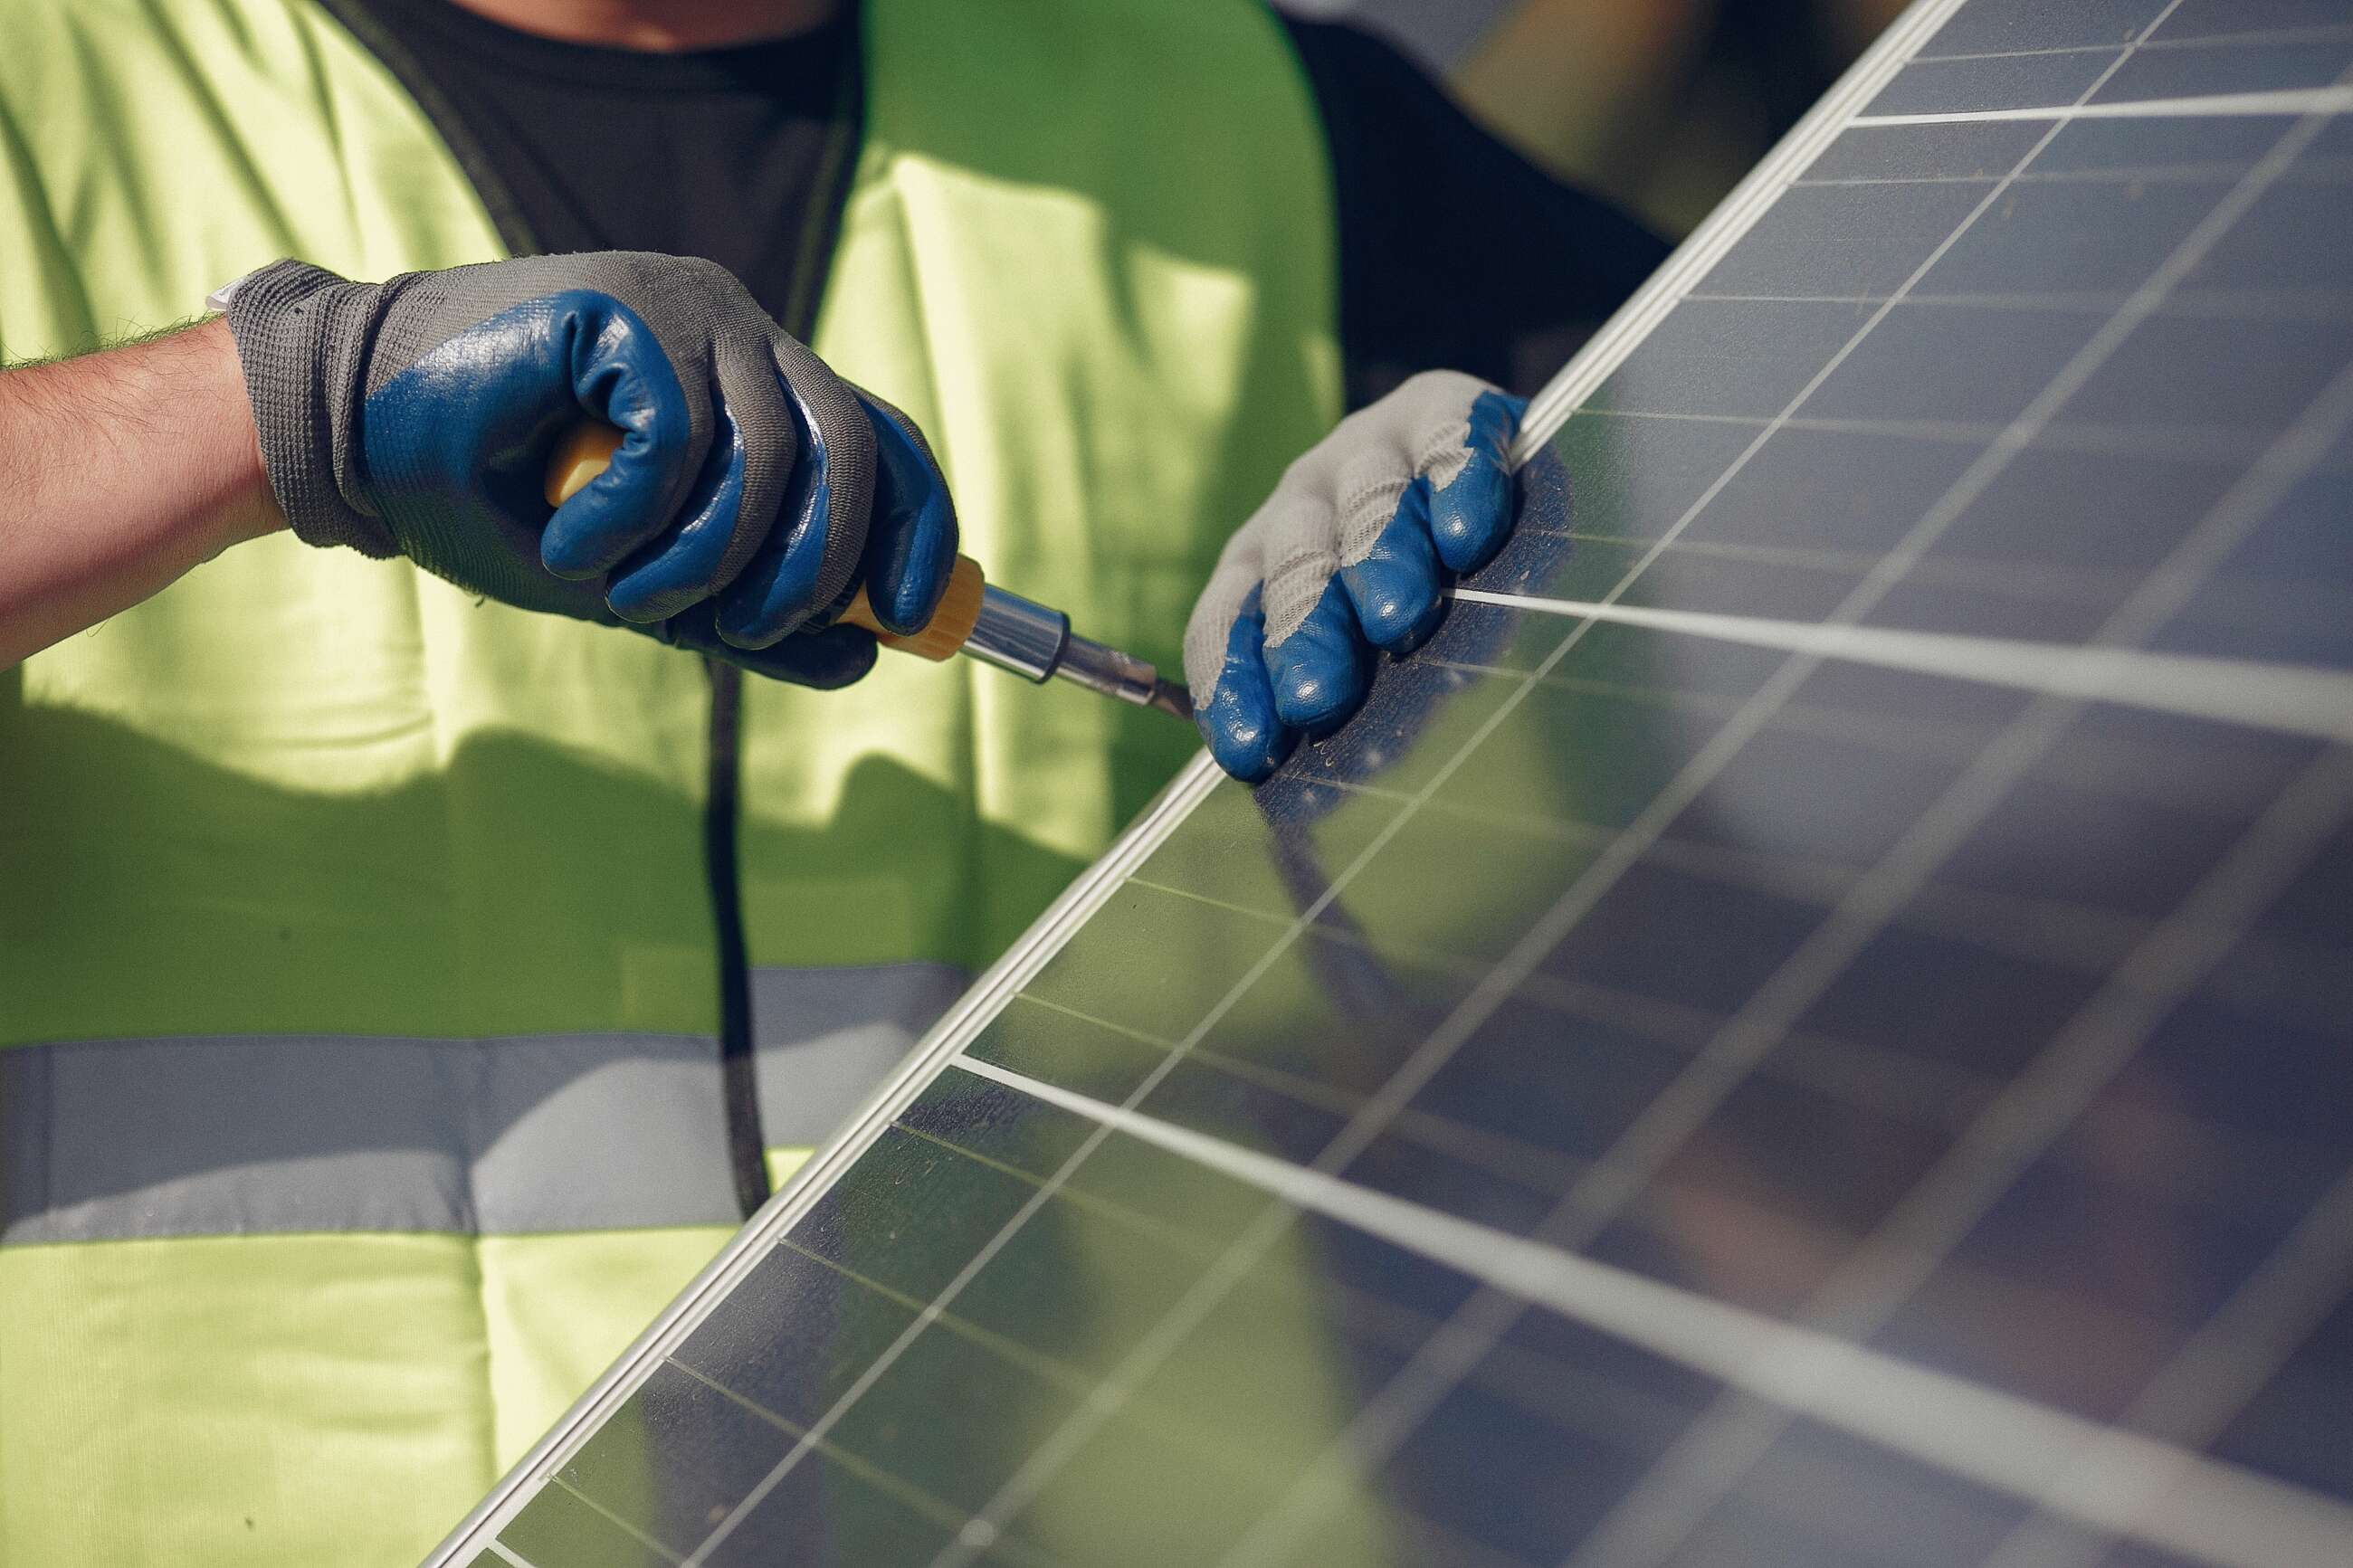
column 119, row 471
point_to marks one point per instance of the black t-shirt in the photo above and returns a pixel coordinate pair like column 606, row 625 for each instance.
column 1455, row 252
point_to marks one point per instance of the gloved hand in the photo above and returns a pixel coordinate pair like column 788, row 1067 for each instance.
column 1348, row 555
column 753, row 491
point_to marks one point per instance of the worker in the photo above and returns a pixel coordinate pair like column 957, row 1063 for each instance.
column 427, row 924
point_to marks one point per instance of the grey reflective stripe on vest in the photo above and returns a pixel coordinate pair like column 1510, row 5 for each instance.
column 106, row 1139
column 824, row 1037
column 232, row 1136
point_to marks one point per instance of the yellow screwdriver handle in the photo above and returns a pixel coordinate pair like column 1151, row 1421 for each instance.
column 588, row 445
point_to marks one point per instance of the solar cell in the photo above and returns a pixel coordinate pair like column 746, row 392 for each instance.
column 1808, row 1025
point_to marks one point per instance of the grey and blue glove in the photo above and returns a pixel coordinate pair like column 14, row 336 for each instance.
column 753, row 492
column 1350, row 555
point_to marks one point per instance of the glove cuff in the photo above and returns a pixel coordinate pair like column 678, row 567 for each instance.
column 303, row 335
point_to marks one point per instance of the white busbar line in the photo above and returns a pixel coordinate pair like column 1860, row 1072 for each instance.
column 506, row 1553
column 2286, row 103
column 2294, row 698
column 2116, row 1481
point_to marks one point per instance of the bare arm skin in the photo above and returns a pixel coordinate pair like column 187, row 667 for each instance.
column 119, row 471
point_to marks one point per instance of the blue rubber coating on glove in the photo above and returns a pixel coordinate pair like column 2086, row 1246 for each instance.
column 827, row 658
column 911, row 547
column 1470, row 519
column 1319, row 670
column 619, row 374
column 1395, row 588
column 777, row 591
column 675, row 572
column 472, row 414
column 1240, row 724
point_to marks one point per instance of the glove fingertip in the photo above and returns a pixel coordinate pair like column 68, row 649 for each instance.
column 1395, row 588
column 825, row 660
column 1236, row 719
column 1472, row 516
column 1242, row 732
column 697, row 556
column 620, row 375
column 587, row 533
column 1318, row 669
column 911, row 549
column 1470, row 519
column 828, row 659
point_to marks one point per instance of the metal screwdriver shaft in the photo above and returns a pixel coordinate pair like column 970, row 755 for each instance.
column 975, row 616
column 1036, row 644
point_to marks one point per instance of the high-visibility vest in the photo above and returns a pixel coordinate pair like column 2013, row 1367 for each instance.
column 358, row 984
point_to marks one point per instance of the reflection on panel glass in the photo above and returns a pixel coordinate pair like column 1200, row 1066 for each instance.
column 1957, row 1068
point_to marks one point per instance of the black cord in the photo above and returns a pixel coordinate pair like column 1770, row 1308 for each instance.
column 746, row 1146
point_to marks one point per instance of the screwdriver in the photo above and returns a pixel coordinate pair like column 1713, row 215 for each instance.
column 975, row 616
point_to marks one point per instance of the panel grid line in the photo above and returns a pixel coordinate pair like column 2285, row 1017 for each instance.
column 1676, row 1112
column 1726, row 227
column 2294, row 700
column 2046, row 584
column 2315, row 171
column 1046, row 1368
column 616, row 1520
column 1996, row 1439
column 1497, row 1154
column 712, row 1286
column 1159, row 1231
column 1049, row 1457
column 1824, row 1061
column 937, row 1510
column 1045, row 1459
column 1857, row 1074
column 2212, row 444
column 984, row 1527
column 2100, row 734
column 2223, row 1365
column 2085, row 1057
column 1588, row 368
column 1917, row 738
column 1906, row 1247
column 1919, row 1090
column 2230, row 519
column 2318, row 32
column 2280, row 103
column 1402, row 1325
column 2298, row 307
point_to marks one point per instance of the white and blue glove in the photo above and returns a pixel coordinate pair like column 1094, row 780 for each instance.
column 753, row 493
column 1351, row 554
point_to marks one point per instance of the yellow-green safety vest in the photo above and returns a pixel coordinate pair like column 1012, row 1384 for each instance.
column 359, row 1095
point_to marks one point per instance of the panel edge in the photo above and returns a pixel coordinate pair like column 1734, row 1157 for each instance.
column 940, row 1045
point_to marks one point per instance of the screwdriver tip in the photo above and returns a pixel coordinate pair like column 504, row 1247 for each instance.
column 1171, row 698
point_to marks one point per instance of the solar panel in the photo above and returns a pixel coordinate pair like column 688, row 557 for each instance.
column 1807, row 1027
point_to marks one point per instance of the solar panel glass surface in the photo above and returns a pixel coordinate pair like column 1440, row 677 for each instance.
column 1808, row 1025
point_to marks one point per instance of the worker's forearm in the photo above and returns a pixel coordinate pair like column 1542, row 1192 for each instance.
column 119, row 471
